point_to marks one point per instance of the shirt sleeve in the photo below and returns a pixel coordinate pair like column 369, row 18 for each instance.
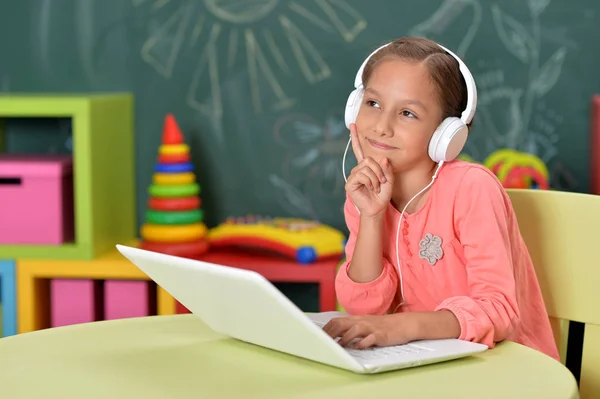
column 374, row 297
column 490, row 313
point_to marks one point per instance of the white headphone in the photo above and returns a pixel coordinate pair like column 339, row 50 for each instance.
column 450, row 136
column 446, row 142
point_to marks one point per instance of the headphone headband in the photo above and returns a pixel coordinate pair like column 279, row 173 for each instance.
column 469, row 112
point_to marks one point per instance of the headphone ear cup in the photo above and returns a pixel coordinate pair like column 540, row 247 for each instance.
column 448, row 140
column 353, row 106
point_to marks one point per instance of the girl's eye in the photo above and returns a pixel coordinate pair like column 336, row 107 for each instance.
column 372, row 103
column 408, row 114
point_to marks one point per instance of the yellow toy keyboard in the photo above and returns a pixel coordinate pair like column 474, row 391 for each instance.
column 306, row 241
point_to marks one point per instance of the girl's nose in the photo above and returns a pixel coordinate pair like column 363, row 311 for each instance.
column 383, row 125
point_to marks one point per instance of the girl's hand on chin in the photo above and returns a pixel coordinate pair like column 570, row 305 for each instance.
column 370, row 183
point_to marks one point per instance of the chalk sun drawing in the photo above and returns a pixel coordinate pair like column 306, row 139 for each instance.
column 209, row 25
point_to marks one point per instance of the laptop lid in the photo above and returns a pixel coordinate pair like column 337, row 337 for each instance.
column 241, row 304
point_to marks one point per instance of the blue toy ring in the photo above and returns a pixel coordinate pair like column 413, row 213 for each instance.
column 174, row 167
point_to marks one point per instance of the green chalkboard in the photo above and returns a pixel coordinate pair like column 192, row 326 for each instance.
column 259, row 86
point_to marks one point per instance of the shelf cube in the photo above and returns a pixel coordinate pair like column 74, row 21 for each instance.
column 36, row 199
column 75, row 301
column 103, row 168
column 128, row 298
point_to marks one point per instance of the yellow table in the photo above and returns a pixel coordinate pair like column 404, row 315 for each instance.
column 179, row 357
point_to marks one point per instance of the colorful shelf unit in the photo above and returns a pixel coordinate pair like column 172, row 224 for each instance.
column 104, row 173
column 8, row 318
column 35, row 278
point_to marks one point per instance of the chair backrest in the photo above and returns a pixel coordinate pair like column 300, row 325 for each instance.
column 562, row 233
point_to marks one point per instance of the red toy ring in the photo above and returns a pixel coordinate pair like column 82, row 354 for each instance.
column 174, row 204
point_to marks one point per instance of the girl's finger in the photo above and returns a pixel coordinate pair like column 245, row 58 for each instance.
column 356, row 147
column 336, row 327
column 374, row 180
column 359, row 180
column 350, row 335
column 376, row 168
column 367, row 342
column 386, row 168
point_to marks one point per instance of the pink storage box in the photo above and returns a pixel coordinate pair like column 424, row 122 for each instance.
column 36, row 199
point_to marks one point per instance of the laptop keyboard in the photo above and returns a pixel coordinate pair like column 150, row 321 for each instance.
column 386, row 352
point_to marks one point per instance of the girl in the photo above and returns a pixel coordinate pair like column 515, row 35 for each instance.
column 423, row 260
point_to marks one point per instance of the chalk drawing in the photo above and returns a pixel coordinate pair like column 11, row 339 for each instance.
column 442, row 19
column 525, row 44
column 310, row 16
column 514, row 35
column 537, row 6
column 256, row 49
column 240, row 11
column 305, row 52
column 524, row 123
column 162, row 47
column 489, row 79
column 518, row 126
column 44, row 35
column 256, row 61
column 313, row 154
column 345, row 19
column 85, row 37
column 208, row 61
column 279, row 58
column 501, row 126
column 233, row 47
column 197, row 30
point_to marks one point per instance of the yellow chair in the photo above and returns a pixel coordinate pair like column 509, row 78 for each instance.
column 561, row 232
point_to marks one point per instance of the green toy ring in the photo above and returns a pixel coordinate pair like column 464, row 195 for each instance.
column 182, row 217
column 184, row 190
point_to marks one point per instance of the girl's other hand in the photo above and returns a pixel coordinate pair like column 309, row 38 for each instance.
column 363, row 332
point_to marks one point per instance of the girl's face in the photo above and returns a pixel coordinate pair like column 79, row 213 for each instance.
column 399, row 113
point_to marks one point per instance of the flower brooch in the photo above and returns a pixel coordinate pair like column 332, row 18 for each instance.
column 431, row 248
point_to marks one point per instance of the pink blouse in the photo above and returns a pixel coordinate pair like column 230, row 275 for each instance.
column 463, row 252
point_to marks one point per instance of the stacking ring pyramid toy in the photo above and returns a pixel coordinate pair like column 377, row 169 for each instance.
column 174, row 219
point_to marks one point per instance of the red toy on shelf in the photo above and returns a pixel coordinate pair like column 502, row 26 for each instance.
column 174, row 221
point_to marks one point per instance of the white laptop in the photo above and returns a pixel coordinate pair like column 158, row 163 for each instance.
column 244, row 305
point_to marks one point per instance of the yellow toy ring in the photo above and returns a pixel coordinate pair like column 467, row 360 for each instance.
column 498, row 156
column 173, row 149
column 166, row 233
column 173, row 178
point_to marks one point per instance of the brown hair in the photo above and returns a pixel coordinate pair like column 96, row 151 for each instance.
column 443, row 68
